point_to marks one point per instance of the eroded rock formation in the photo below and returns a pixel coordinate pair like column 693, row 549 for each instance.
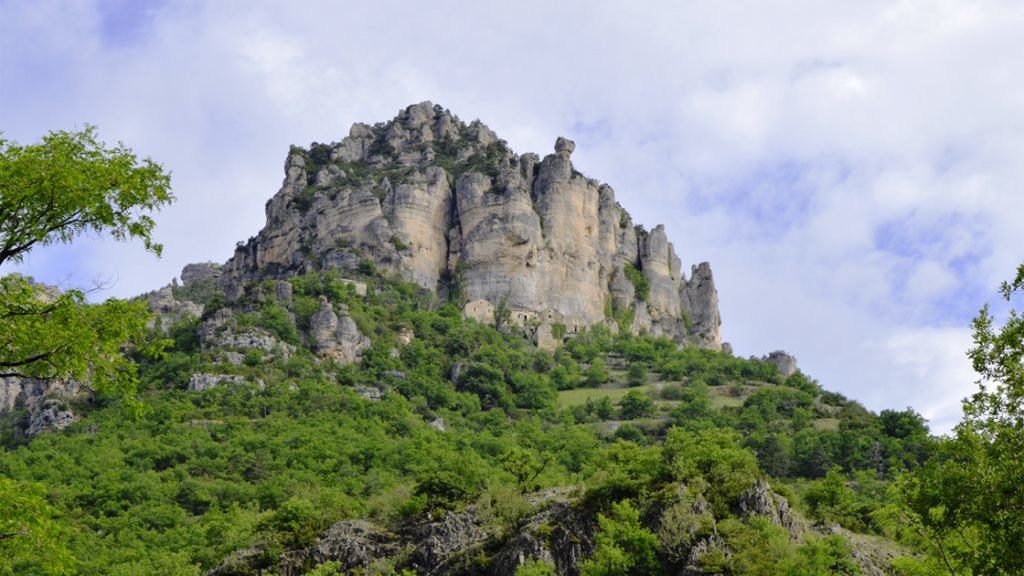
column 44, row 405
column 448, row 206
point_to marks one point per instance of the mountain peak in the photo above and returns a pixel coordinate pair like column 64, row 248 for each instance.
column 449, row 206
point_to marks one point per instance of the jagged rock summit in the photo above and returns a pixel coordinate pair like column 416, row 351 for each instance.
column 448, row 206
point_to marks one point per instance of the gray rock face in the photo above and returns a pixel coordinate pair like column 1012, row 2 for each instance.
column 10, row 391
column 438, row 543
column 335, row 336
column 568, row 544
column 52, row 416
column 354, row 544
column 204, row 382
column 761, row 500
column 448, row 206
column 786, row 363
column 168, row 309
column 201, row 272
column 45, row 403
column 371, row 393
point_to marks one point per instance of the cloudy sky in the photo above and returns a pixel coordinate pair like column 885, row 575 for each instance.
column 851, row 170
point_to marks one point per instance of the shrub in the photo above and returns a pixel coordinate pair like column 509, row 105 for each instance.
column 635, row 404
column 623, row 545
column 637, row 374
column 640, row 284
column 597, row 373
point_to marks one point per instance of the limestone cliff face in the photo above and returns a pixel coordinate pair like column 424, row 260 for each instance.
column 448, row 206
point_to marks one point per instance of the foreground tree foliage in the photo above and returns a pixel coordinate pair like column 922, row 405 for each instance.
column 967, row 502
column 71, row 183
column 52, row 192
column 32, row 540
column 46, row 334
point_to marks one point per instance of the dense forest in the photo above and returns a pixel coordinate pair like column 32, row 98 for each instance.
column 462, row 415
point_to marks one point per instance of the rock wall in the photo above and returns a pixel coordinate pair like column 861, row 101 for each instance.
column 448, row 206
column 44, row 404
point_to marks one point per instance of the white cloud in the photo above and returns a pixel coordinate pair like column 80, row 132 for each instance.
column 935, row 362
column 851, row 170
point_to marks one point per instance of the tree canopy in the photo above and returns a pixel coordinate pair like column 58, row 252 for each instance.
column 72, row 183
column 51, row 192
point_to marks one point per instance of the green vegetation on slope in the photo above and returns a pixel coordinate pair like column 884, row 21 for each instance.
column 279, row 458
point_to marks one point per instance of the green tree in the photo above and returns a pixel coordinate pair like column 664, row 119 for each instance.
column 31, row 538
column 536, row 568
column 597, row 373
column 711, row 457
column 623, row 546
column 53, row 192
column 966, row 501
column 48, row 335
column 637, row 374
column 635, row 404
column 525, row 465
column 602, row 408
column 639, row 281
column 71, row 183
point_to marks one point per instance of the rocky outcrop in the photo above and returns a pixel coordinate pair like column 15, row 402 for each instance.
column 761, row 500
column 872, row 554
column 785, row 362
column 200, row 273
column 167, row 309
column 220, row 332
column 44, row 405
column 448, row 206
column 560, row 533
column 465, row 542
column 445, row 542
column 354, row 544
column 336, row 336
column 203, row 382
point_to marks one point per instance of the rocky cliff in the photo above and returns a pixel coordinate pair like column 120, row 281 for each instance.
column 448, row 206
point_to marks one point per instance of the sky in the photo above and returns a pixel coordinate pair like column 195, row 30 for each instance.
column 850, row 169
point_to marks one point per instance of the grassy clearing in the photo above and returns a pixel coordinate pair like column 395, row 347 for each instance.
column 725, row 397
column 826, row 424
column 720, row 396
column 579, row 396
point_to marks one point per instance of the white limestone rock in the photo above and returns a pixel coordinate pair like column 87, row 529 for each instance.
column 443, row 203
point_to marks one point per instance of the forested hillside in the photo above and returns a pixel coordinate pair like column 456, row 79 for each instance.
column 654, row 458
